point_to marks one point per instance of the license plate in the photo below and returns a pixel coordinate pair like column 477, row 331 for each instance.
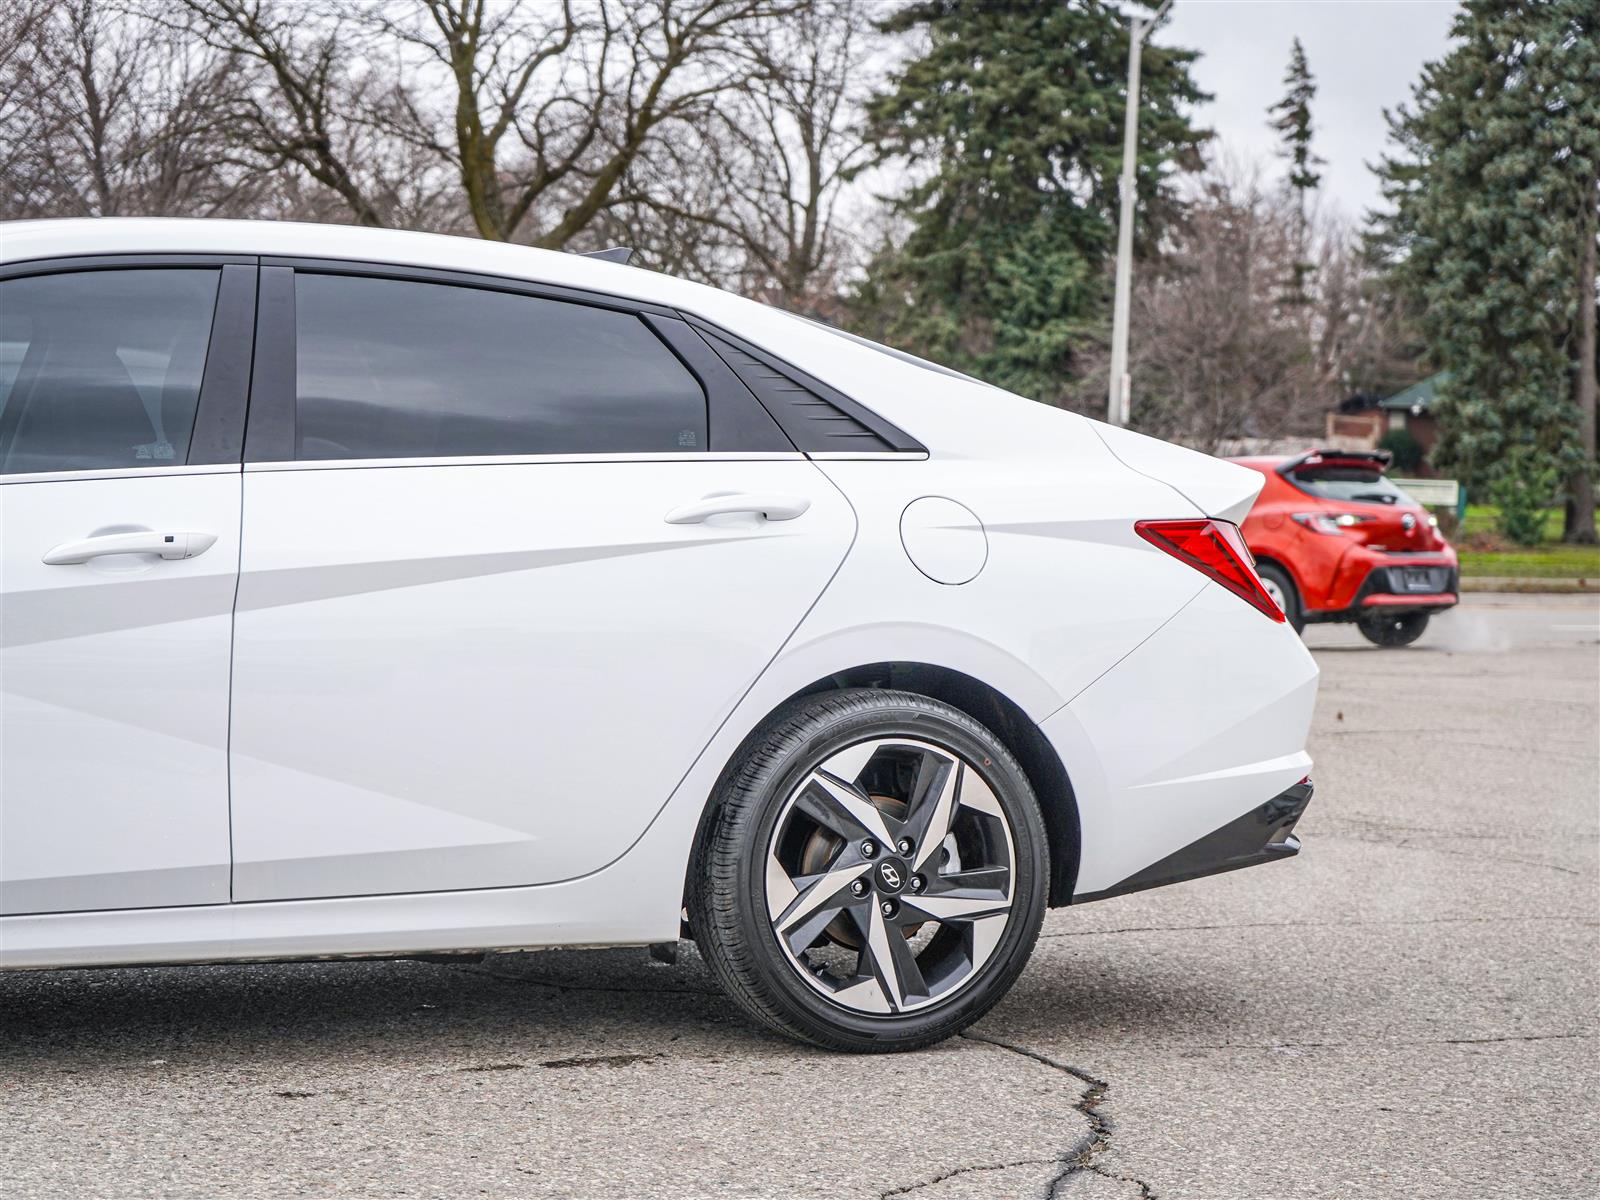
column 1416, row 579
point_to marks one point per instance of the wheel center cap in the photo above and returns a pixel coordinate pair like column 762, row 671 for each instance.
column 892, row 875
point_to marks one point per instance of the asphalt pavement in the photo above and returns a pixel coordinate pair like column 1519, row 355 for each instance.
column 1407, row 1009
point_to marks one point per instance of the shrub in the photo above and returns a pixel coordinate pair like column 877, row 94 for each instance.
column 1403, row 444
column 1522, row 488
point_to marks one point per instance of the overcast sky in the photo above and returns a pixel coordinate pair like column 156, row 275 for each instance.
column 1364, row 54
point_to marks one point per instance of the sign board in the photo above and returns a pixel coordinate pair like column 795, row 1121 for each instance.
column 1435, row 493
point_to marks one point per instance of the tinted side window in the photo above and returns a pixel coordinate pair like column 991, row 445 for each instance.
column 392, row 369
column 102, row 369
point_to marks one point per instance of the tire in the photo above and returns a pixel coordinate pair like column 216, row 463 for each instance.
column 836, row 977
column 1392, row 629
column 1282, row 589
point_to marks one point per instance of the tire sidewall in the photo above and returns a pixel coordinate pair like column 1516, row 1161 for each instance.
column 921, row 721
column 1376, row 631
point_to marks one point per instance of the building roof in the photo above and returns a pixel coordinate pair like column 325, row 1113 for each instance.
column 1419, row 395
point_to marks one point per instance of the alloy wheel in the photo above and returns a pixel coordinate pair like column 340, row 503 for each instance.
column 890, row 873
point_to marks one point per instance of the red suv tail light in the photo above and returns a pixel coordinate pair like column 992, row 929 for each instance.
column 1217, row 551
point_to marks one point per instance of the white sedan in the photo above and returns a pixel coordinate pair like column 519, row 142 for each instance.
column 378, row 593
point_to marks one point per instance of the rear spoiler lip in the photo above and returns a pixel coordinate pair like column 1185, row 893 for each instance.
column 1378, row 458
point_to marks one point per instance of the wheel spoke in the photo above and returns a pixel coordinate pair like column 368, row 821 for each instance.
column 848, row 763
column 933, row 805
column 959, row 904
column 892, row 962
column 867, row 995
column 974, row 879
column 985, row 936
column 978, row 795
column 843, row 808
column 817, row 901
column 968, row 895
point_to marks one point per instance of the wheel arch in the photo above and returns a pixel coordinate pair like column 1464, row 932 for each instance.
column 1273, row 560
column 995, row 711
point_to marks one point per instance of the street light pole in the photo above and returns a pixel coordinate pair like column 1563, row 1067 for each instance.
column 1119, row 388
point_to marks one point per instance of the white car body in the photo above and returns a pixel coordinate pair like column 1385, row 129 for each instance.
column 366, row 719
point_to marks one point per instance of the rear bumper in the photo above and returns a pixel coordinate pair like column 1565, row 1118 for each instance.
column 1422, row 584
column 1261, row 835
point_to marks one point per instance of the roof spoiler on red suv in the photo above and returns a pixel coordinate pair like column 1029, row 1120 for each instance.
column 1316, row 458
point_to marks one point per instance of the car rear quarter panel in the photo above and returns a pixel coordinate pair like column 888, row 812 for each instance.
column 1202, row 722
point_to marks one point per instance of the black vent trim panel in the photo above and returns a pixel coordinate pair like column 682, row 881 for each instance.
column 817, row 418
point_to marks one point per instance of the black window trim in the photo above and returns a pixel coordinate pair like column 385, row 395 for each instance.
column 269, row 428
column 733, row 431
column 736, row 419
column 474, row 279
column 217, row 438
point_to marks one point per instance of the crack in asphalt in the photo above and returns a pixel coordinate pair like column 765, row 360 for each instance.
column 1080, row 1157
column 907, row 1189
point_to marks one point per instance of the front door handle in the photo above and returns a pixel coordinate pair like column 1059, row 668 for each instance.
column 145, row 541
column 764, row 504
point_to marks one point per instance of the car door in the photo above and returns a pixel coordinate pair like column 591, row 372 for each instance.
column 122, row 397
column 497, row 593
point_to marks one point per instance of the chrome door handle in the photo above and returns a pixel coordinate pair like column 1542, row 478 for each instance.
column 764, row 504
column 145, row 541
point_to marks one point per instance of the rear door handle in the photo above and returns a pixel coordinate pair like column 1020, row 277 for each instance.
column 766, row 504
column 145, row 541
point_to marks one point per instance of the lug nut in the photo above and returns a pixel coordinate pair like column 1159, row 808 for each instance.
column 905, row 846
column 858, row 888
column 887, row 908
column 869, row 849
column 917, row 883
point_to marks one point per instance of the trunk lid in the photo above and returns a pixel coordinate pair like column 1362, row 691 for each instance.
column 1218, row 488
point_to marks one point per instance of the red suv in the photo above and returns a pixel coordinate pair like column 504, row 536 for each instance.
column 1335, row 540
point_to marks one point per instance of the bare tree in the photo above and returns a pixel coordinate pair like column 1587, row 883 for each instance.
column 1219, row 359
column 536, row 112
column 1362, row 337
column 765, row 186
column 302, row 99
column 109, row 113
column 1216, row 359
column 24, row 78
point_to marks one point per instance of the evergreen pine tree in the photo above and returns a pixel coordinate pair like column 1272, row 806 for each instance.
column 1291, row 117
column 1012, row 123
column 1492, row 241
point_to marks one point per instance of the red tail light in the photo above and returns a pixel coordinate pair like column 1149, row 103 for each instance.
column 1217, row 551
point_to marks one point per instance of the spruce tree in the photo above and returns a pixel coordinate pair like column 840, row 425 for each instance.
column 1011, row 122
column 1492, row 241
column 1291, row 117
